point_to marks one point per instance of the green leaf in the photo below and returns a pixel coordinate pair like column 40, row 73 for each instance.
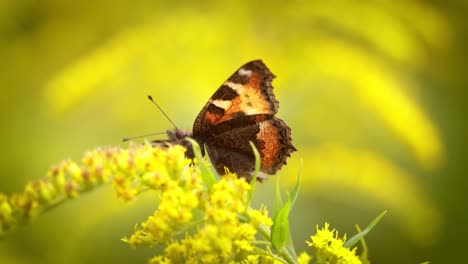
column 209, row 178
column 280, row 232
column 365, row 250
column 352, row 241
column 253, row 181
column 280, row 228
column 295, row 191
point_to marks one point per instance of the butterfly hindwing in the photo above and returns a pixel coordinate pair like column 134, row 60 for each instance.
column 232, row 149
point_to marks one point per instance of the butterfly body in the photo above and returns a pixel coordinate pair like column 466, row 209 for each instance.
column 242, row 110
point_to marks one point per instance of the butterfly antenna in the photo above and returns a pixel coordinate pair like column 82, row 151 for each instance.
column 152, row 134
column 160, row 109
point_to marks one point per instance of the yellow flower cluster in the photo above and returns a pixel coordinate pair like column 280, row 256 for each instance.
column 200, row 220
column 328, row 248
column 197, row 221
column 220, row 235
column 65, row 180
column 180, row 188
column 132, row 170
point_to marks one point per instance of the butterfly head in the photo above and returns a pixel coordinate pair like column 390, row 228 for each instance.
column 179, row 137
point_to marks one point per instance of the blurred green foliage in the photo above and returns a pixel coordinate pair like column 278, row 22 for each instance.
column 374, row 92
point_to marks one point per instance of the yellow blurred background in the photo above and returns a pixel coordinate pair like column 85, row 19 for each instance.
column 374, row 92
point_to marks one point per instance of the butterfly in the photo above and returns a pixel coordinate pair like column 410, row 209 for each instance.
column 242, row 110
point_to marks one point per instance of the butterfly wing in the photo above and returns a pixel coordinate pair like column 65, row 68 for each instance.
column 230, row 147
column 247, row 92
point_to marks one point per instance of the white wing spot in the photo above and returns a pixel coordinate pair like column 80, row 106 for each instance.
column 251, row 111
column 244, row 72
column 224, row 104
column 239, row 88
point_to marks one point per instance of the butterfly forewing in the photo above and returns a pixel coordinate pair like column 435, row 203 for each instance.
column 247, row 92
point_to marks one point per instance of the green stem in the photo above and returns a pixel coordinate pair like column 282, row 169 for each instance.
column 266, row 234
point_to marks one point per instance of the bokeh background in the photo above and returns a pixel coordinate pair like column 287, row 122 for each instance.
column 374, row 91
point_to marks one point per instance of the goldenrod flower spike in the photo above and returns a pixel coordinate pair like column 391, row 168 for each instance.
column 200, row 218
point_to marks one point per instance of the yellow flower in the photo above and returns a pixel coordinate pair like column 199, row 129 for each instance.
column 175, row 252
column 245, row 233
column 304, row 258
column 328, row 248
column 260, row 217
